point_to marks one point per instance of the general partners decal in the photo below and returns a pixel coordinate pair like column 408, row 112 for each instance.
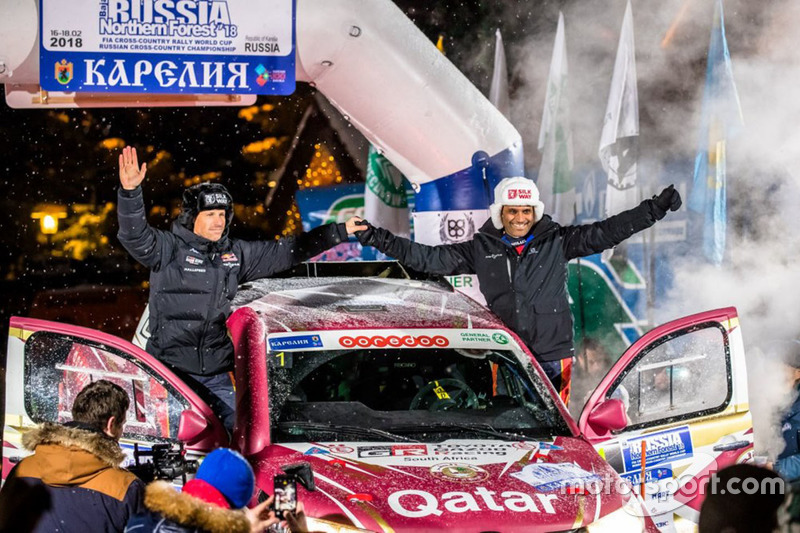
column 168, row 46
column 669, row 445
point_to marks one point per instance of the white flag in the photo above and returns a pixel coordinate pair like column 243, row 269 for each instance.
column 555, row 182
column 619, row 142
column 498, row 93
column 385, row 203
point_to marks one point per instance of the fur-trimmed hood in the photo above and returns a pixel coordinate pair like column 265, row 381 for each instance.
column 160, row 497
column 105, row 448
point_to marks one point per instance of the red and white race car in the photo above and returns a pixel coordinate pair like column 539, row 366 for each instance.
column 418, row 410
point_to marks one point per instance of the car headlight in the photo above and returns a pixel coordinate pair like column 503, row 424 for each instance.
column 623, row 519
column 326, row 526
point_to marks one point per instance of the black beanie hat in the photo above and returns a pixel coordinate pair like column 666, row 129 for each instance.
column 203, row 197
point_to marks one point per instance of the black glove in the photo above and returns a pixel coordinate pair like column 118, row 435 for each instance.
column 365, row 236
column 667, row 200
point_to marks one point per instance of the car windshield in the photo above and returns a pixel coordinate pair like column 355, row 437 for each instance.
column 407, row 394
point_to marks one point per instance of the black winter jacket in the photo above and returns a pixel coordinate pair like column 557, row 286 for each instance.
column 193, row 281
column 527, row 291
column 80, row 470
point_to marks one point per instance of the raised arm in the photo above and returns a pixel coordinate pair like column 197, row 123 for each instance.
column 264, row 258
column 589, row 239
column 143, row 242
column 130, row 174
column 446, row 259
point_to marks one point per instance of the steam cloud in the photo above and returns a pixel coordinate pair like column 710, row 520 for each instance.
column 760, row 274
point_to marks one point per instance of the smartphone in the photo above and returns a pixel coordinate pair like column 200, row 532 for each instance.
column 285, row 489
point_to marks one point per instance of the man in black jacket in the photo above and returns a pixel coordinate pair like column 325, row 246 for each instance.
column 195, row 271
column 520, row 257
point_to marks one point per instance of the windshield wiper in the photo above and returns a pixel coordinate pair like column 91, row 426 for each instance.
column 484, row 429
column 339, row 428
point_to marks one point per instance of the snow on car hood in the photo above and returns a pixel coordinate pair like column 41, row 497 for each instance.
column 463, row 485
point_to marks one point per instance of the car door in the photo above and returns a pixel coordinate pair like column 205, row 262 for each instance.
column 48, row 363
column 674, row 407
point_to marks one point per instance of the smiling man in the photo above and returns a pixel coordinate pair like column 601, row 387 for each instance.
column 520, row 257
column 195, row 271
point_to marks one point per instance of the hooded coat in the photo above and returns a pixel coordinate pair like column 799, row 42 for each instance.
column 169, row 511
column 527, row 290
column 193, row 281
column 80, row 468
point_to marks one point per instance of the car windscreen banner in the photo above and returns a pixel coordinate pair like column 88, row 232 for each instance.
column 478, row 339
column 168, row 46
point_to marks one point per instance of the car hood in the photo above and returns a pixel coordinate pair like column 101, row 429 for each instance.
column 463, row 485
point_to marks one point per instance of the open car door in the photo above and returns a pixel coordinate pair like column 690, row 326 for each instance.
column 49, row 363
column 675, row 406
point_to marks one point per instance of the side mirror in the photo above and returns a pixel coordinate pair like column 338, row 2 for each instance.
column 302, row 472
column 191, row 426
column 608, row 415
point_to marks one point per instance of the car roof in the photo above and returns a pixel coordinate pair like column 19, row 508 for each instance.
column 345, row 302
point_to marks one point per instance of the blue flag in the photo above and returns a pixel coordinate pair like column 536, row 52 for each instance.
column 721, row 117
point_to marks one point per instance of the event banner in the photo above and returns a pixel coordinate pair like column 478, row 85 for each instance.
column 168, row 46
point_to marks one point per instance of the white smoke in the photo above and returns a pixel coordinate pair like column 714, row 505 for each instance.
column 761, row 272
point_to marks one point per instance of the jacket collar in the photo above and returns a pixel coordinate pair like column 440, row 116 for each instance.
column 105, row 448
column 160, row 497
column 197, row 242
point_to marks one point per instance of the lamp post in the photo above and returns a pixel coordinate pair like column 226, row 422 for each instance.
column 48, row 216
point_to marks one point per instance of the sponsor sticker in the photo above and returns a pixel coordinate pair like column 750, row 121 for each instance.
column 669, row 445
column 394, row 341
column 295, row 342
column 316, row 451
column 549, row 477
column 397, row 450
column 193, row 260
column 500, row 338
column 340, row 448
column 475, row 449
column 651, row 475
column 459, row 472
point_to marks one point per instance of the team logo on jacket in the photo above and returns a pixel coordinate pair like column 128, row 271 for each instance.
column 229, row 257
column 456, row 228
column 193, row 260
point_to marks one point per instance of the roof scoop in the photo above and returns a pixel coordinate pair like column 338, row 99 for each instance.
column 362, row 308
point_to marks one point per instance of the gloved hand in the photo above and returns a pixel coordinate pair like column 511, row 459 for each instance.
column 667, row 200
column 366, row 235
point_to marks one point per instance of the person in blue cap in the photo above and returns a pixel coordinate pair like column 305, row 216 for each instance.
column 213, row 502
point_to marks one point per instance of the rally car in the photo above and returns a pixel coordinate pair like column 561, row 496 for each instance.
column 418, row 410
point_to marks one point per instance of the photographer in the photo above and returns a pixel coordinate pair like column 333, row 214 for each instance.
column 78, row 464
column 214, row 501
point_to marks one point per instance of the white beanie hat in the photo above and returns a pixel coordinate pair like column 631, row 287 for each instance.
column 515, row 191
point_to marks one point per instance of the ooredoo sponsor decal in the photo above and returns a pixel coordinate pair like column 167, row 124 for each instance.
column 419, row 503
column 394, row 341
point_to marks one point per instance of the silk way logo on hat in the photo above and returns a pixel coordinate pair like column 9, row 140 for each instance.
column 216, row 198
column 521, row 194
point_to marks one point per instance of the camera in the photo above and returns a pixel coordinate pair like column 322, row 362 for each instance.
column 168, row 462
